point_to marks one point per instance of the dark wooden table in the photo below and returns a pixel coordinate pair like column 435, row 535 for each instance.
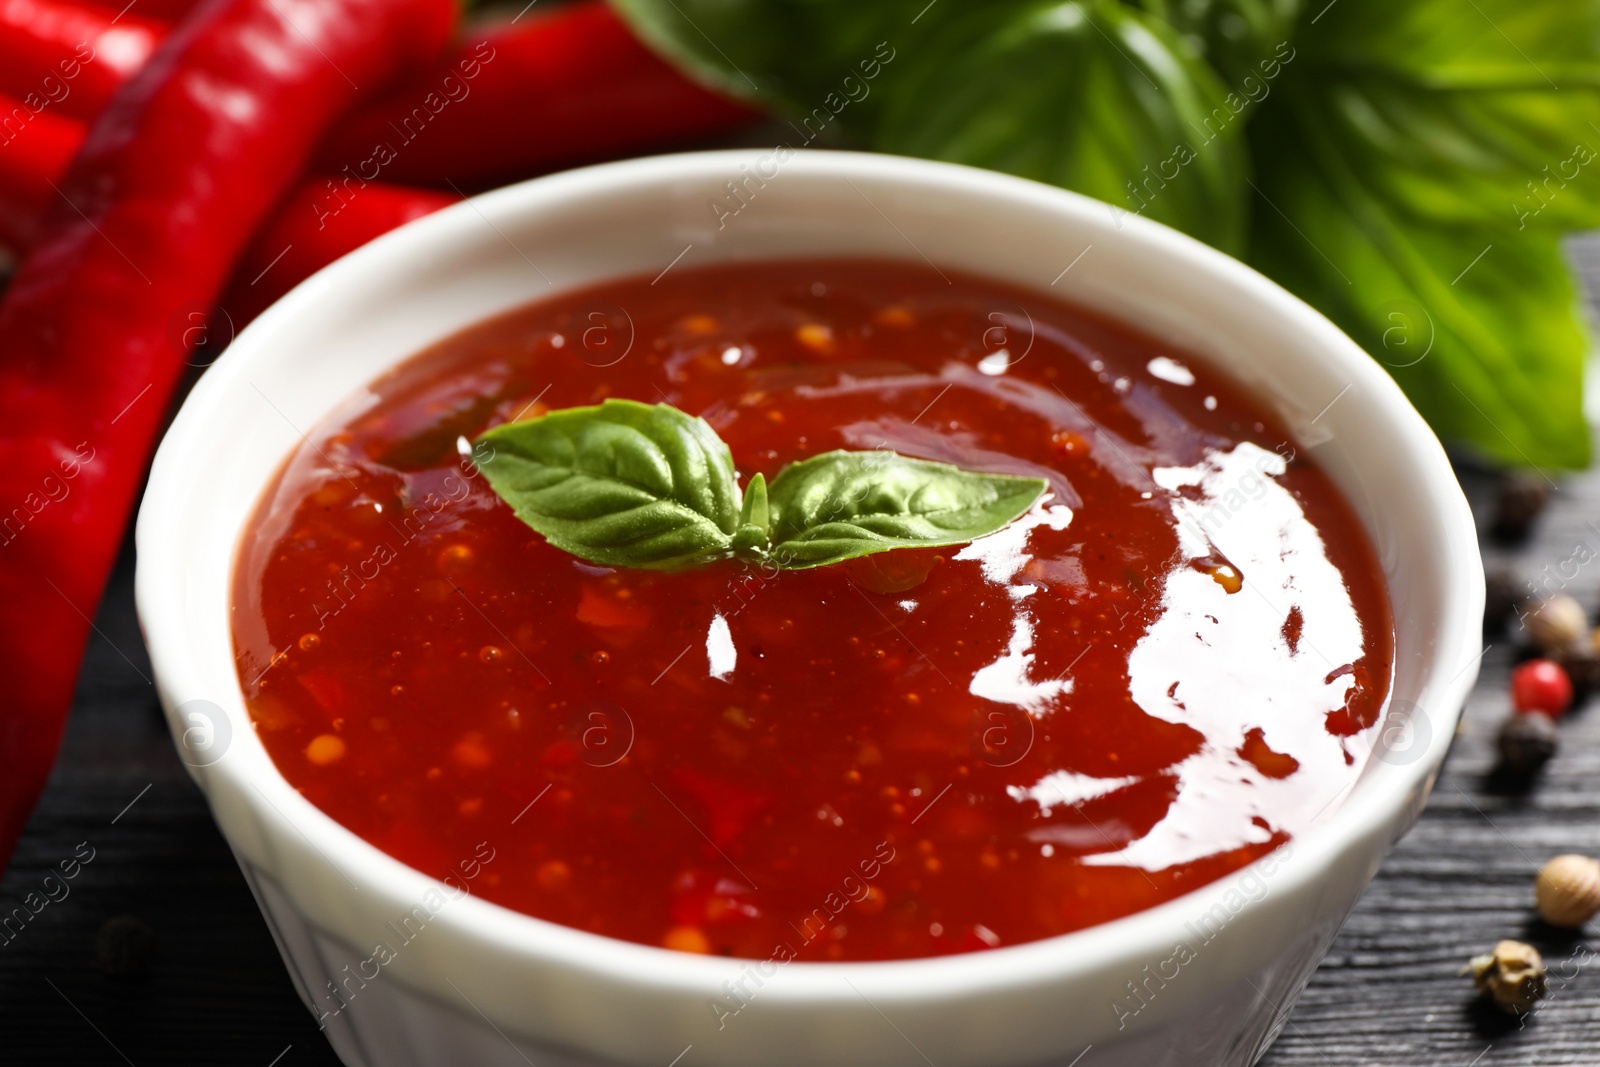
column 215, row 992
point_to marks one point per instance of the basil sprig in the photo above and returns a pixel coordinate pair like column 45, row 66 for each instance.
column 626, row 484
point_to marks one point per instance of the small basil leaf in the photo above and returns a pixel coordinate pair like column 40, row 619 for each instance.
column 754, row 510
column 840, row 505
column 622, row 484
column 752, row 538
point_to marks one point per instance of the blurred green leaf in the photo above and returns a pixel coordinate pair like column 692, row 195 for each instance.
column 1507, row 44
column 1091, row 95
column 1416, row 172
column 1481, row 113
column 786, row 54
column 1391, row 141
column 1480, row 325
column 1085, row 94
column 1478, row 157
column 1235, row 36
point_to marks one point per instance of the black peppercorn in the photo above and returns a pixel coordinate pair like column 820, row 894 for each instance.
column 124, row 946
column 1523, row 495
column 1527, row 741
column 1502, row 592
column 1582, row 664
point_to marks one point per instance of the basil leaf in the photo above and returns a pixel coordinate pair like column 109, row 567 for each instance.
column 790, row 55
column 1242, row 39
column 1454, row 120
column 840, row 505
column 622, row 484
column 1085, row 94
column 630, row 485
column 1507, row 44
column 1479, row 325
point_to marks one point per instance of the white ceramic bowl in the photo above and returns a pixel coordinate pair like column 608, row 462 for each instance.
column 478, row 984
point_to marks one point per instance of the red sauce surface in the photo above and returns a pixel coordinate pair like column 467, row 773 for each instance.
column 1166, row 670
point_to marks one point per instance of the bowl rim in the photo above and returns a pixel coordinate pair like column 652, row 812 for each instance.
column 1140, row 936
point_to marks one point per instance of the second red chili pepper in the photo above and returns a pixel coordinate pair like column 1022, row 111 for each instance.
column 314, row 226
column 570, row 86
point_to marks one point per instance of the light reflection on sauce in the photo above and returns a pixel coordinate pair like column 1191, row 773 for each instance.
column 1216, row 659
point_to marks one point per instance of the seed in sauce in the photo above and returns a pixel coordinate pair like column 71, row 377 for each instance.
column 686, row 939
column 817, row 337
column 325, row 749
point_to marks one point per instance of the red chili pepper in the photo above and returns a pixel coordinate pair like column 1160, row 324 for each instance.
column 319, row 222
column 35, row 149
column 168, row 10
column 567, row 87
column 166, row 191
column 69, row 56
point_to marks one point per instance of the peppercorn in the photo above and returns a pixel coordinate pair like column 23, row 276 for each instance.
column 1512, row 976
column 1541, row 685
column 1527, row 741
column 1522, row 496
column 1556, row 623
column 1501, row 592
column 1582, row 664
column 123, row 946
column 1567, row 893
